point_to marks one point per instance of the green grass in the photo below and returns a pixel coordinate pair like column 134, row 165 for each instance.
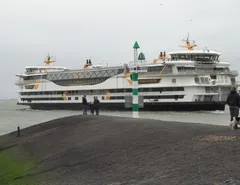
column 10, row 169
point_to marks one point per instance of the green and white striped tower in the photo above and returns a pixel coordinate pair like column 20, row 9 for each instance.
column 134, row 77
column 135, row 95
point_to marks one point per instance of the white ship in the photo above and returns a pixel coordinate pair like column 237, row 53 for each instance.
column 182, row 80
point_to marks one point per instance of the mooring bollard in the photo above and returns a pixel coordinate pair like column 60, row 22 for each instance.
column 18, row 131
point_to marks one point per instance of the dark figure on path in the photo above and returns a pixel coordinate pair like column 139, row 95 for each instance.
column 91, row 106
column 233, row 101
column 85, row 105
column 96, row 105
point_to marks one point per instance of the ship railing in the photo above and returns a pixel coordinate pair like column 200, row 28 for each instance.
column 84, row 70
column 29, row 73
column 94, row 69
column 35, row 72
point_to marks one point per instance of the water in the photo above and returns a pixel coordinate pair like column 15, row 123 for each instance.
column 12, row 116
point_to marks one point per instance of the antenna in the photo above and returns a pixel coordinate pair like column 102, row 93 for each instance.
column 48, row 59
column 188, row 44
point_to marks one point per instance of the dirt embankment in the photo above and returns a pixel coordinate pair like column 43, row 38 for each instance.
column 101, row 150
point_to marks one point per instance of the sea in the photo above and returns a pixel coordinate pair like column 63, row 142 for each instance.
column 13, row 116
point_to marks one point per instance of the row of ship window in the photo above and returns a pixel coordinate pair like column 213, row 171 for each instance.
column 110, row 98
column 99, row 91
column 195, row 57
column 180, row 69
column 206, row 80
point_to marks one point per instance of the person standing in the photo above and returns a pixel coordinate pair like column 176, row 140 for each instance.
column 96, row 105
column 85, row 105
column 233, row 101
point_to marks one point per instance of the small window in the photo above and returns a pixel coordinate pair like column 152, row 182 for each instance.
column 174, row 80
column 206, row 80
column 69, row 98
column 226, row 79
column 196, row 80
column 76, row 98
column 213, row 77
column 233, row 81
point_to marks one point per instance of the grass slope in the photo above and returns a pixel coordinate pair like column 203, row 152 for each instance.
column 13, row 172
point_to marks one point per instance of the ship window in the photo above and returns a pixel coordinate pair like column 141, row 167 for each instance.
column 165, row 97
column 148, row 81
column 213, row 77
column 174, row 80
column 188, row 57
column 40, row 99
column 174, row 57
column 69, row 98
column 206, row 81
column 181, row 57
column 176, row 97
column 185, row 69
column 155, row 68
column 208, row 98
column 196, row 80
column 76, row 98
column 233, row 81
column 226, row 79
column 204, row 57
column 167, row 69
column 116, row 97
column 184, row 57
column 29, row 86
column 102, row 91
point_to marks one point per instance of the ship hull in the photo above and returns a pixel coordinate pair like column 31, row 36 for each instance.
column 156, row 106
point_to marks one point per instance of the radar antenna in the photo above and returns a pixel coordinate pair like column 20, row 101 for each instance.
column 49, row 59
column 188, row 44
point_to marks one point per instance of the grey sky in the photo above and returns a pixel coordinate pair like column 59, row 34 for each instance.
column 105, row 30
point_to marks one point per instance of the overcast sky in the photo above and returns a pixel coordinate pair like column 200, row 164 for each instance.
column 105, row 30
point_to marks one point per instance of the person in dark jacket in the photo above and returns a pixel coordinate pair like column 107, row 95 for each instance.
column 96, row 105
column 85, row 105
column 233, row 101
